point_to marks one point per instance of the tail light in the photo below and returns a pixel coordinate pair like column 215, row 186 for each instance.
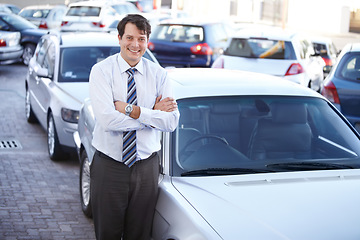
column 98, row 24
column 201, row 49
column 218, row 63
column 151, row 46
column 328, row 61
column 43, row 25
column 294, row 69
column 2, row 43
column 63, row 23
column 329, row 91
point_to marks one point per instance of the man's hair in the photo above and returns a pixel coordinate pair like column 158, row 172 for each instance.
column 141, row 23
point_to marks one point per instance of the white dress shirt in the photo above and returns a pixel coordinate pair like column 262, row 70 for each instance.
column 108, row 83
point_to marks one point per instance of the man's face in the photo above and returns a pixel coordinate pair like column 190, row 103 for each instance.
column 133, row 44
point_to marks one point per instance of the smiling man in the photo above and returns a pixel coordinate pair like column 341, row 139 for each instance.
column 132, row 102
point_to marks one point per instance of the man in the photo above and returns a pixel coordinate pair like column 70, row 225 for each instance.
column 132, row 101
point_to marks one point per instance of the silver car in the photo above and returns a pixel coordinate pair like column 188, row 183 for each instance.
column 57, row 83
column 253, row 157
column 10, row 48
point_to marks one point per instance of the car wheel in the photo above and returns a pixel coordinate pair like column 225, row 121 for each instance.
column 30, row 116
column 85, row 184
column 54, row 147
column 29, row 50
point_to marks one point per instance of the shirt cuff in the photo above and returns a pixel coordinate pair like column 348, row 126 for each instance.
column 145, row 116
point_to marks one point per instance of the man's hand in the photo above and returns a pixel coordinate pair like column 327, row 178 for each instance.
column 167, row 104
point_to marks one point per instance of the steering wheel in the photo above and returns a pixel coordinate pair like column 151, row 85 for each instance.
column 221, row 139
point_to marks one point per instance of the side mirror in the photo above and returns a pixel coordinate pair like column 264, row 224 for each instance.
column 41, row 72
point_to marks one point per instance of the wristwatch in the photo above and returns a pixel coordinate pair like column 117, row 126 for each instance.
column 128, row 109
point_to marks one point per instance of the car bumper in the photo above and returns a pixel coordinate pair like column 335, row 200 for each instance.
column 11, row 55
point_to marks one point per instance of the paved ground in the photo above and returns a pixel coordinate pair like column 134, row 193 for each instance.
column 39, row 198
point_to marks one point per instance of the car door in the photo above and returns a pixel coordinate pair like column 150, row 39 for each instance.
column 41, row 78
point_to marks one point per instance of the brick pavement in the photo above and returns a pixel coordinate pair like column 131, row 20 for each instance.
column 39, row 198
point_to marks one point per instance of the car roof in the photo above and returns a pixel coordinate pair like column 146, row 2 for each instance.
column 83, row 39
column 267, row 32
column 197, row 82
column 353, row 47
column 47, row 6
column 90, row 3
column 189, row 21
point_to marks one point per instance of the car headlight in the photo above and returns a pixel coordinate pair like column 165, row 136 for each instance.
column 69, row 115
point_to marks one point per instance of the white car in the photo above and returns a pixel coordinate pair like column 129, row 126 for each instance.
column 273, row 51
column 44, row 16
column 253, row 157
column 10, row 47
column 88, row 16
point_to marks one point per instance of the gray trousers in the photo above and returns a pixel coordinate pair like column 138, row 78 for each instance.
column 123, row 199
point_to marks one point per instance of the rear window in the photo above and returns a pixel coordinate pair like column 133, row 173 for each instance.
column 261, row 48
column 80, row 11
column 349, row 67
column 35, row 13
column 179, row 33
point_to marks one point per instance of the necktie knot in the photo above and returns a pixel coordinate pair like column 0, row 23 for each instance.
column 131, row 71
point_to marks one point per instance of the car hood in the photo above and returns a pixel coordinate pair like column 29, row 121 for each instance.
column 79, row 91
column 298, row 205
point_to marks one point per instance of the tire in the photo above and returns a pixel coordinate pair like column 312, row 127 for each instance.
column 54, row 148
column 30, row 116
column 28, row 52
column 84, row 184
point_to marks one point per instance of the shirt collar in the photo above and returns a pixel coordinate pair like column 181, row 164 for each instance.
column 125, row 66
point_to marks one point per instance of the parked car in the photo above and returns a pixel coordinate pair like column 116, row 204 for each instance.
column 327, row 50
column 57, row 83
column 44, row 16
column 281, row 53
column 342, row 86
column 30, row 34
column 9, row 8
column 253, row 157
column 88, row 16
column 188, row 43
column 10, row 48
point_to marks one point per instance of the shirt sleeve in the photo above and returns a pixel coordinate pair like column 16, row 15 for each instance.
column 163, row 121
column 102, row 102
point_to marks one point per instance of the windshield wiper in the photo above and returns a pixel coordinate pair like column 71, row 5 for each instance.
column 223, row 171
column 308, row 166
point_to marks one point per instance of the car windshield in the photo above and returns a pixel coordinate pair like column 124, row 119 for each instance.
column 261, row 48
column 76, row 62
column 35, row 13
column 256, row 134
column 17, row 22
column 178, row 33
column 81, row 11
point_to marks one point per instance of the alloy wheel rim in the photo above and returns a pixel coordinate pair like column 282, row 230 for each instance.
column 85, row 182
column 51, row 136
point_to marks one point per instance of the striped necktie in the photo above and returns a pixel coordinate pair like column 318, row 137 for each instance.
column 129, row 138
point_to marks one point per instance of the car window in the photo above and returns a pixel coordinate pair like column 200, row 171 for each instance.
column 35, row 13
column 179, row 33
column 89, row 11
column 260, row 134
column 125, row 8
column 17, row 22
column 260, row 48
column 76, row 62
column 349, row 67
